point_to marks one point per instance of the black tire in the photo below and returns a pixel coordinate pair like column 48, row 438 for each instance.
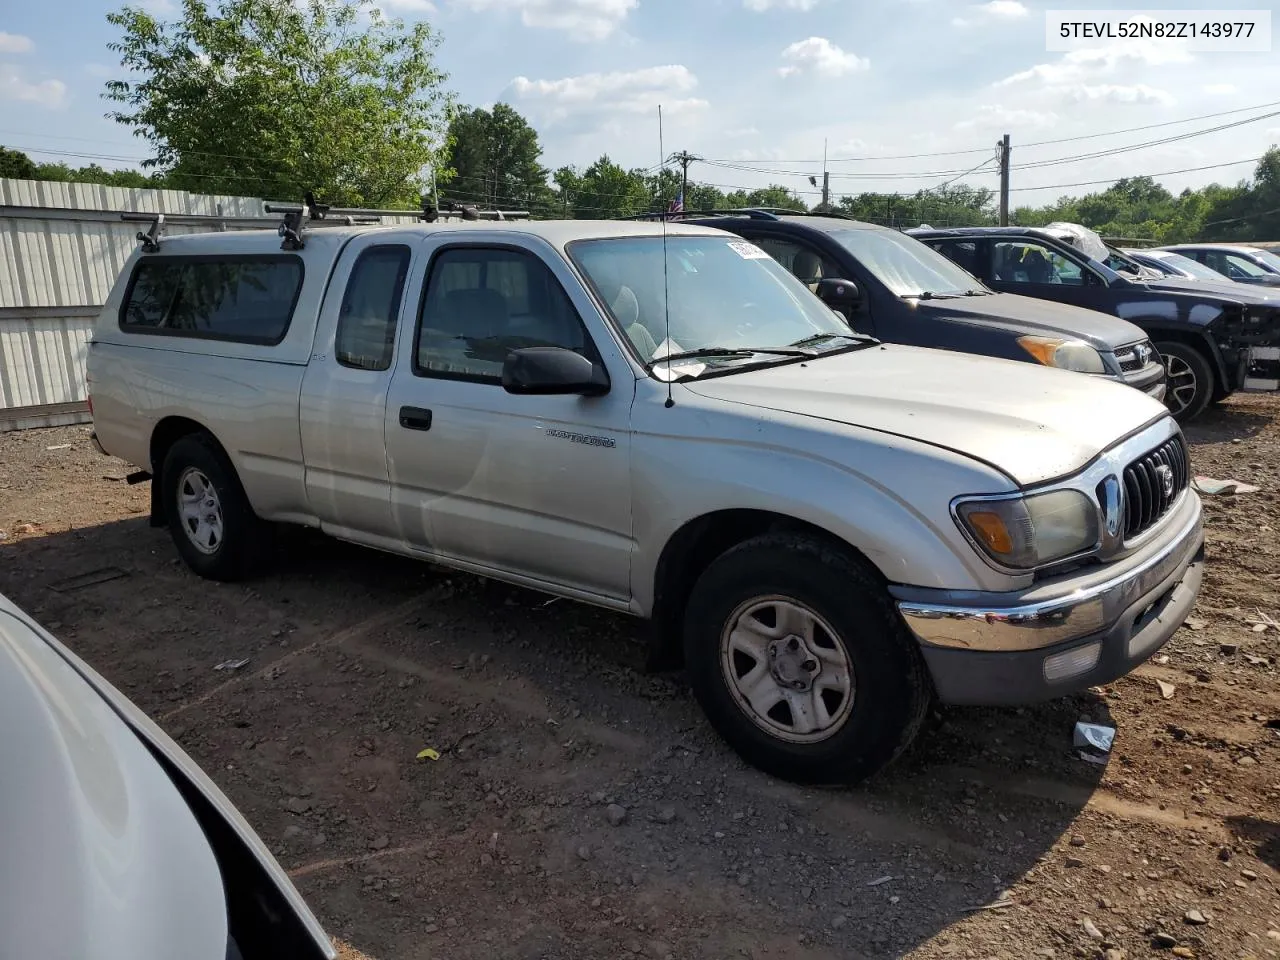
column 892, row 693
column 239, row 549
column 1191, row 383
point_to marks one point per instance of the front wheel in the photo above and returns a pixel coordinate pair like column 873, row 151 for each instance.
column 801, row 663
column 1191, row 383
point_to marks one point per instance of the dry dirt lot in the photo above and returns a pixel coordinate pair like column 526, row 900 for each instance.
column 513, row 845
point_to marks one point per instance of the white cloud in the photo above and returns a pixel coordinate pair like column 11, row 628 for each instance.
column 407, row 6
column 821, row 56
column 1119, row 93
column 994, row 10
column 1220, row 88
column 1078, row 65
column 15, row 86
column 100, row 70
column 759, row 6
column 994, row 116
column 15, row 43
column 596, row 98
column 581, row 19
column 738, row 132
column 1004, row 8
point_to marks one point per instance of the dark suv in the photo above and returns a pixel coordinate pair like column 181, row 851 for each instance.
column 900, row 291
column 1213, row 342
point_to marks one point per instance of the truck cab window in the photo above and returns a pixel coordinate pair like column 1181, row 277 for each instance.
column 366, row 333
column 482, row 303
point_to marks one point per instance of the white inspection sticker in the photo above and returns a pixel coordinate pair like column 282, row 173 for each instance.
column 748, row 251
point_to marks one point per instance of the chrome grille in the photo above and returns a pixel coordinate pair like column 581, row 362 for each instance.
column 1135, row 357
column 1152, row 483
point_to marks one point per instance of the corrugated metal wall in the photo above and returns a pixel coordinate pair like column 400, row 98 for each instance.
column 61, row 248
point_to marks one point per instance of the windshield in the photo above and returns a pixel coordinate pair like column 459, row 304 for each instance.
column 721, row 292
column 905, row 265
column 1267, row 258
column 1192, row 268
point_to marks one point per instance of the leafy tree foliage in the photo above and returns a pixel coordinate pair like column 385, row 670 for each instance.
column 274, row 98
column 492, row 160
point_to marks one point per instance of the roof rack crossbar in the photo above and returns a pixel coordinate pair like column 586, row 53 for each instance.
column 151, row 239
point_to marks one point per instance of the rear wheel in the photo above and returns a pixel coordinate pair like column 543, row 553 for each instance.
column 800, row 662
column 210, row 520
column 1191, row 383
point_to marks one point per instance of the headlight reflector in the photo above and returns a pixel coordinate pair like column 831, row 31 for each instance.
column 1029, row 532
column 1064, row 354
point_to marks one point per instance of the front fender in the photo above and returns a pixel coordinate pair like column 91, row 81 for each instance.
column 889, row 498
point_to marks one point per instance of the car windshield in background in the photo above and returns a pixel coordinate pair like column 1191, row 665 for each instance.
column 1269, row 259
column 1193, row 268
column 718, row 294
column 905, row 265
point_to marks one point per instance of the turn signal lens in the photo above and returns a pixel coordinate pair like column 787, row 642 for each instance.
column 1031, row 531
column 992, row 532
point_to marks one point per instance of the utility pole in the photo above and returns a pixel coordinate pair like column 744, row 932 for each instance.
column 1002, row 157
column 684, row 158
column 826, row 180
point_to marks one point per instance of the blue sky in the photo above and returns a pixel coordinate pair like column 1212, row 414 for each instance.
column 754, row 86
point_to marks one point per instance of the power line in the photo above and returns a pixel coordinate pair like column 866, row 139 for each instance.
column 1033, row 143
column 1166, row 173
column 930, row 174
column 1149, row 143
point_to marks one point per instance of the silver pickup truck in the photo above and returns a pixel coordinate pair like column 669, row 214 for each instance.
column 827, row 531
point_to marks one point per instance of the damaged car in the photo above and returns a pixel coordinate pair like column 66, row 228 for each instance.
column 1215, row 340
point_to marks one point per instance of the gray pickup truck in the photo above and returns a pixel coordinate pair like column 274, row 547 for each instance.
column 827, row 531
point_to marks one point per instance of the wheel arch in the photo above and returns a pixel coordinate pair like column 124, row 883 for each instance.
column 168, row 431
column 693, row 547
column 1198, row 338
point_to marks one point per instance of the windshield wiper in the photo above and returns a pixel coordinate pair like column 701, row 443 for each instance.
column 930, row 295
column 818, row 338
column 978, row 293
column 732, row 352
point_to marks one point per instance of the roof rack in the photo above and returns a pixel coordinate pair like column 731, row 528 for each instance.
column 310, row 214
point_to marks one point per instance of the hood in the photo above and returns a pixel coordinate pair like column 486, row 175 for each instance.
column 1224, row 289
column 102, row 856
column 1032, row 423
column 1100, row 330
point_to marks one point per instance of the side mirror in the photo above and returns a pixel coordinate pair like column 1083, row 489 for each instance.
column 540, row 371
column 839, row 293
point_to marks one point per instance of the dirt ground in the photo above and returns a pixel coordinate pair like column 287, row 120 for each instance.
column 583, row 809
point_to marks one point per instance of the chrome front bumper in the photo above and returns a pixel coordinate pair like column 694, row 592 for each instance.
column 1088, row 629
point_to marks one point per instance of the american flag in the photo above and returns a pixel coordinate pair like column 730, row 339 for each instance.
column 677, row 205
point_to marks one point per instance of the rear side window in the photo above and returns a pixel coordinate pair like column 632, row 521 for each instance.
column 370, row 306
column 241, row 299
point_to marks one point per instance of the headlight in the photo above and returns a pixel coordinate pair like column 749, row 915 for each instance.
column 1064, row 354
column 1029, row 532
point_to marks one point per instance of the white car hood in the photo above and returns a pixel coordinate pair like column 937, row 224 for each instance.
column 102, row 857
column 1031, row 422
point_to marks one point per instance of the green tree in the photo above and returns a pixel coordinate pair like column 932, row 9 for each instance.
column 603, row 191
column 16, row 165
column 770, row 196
column 492, row 160
column 279, row 97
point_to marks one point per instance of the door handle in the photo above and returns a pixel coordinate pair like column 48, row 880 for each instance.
column 415, row 418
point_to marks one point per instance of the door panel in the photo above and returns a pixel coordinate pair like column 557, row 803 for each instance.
column 537, row 486
column 344, row 393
